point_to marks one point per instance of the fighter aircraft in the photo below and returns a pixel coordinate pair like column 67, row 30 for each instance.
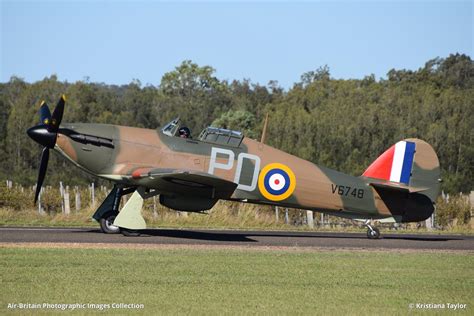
column 193, row 173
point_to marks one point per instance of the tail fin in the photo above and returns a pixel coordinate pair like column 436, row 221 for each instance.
column 410, row 163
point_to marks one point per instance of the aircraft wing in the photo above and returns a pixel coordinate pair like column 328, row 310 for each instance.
column 184, row 182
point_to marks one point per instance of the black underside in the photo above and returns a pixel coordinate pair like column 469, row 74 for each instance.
column 187, row 203
column 412, row 207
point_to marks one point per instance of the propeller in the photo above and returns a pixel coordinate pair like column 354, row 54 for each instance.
column 45, row 114
column 58, row 114
column 45, row 134
column 42, row 171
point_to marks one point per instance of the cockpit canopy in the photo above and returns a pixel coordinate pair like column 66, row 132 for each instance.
column 210, row 134
column 221, row 136
column 171, row 128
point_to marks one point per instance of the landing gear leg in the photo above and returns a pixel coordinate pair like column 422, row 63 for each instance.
column 107, row 220
column 372, row 231
column 109, row 209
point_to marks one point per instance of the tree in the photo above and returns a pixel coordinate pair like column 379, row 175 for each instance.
column 342, row 124
column 322, row 73
column 239, row 120
column 189, row 80
column 193, row 93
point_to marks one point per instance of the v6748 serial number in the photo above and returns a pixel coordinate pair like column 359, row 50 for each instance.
column 344, row 190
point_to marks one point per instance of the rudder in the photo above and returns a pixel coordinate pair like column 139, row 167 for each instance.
column 411, row 162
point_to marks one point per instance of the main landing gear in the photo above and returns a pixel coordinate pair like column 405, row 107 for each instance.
column 372, row 231
column 109, row 209
column 107, row 223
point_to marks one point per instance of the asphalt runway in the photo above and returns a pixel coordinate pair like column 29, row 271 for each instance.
column 240, row 238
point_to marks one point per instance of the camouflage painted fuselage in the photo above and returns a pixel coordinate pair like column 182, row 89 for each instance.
column 134, row 151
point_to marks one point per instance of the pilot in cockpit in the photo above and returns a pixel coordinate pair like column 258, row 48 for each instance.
column 184, row 132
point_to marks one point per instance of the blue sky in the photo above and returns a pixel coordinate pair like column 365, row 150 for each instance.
column 117, row 41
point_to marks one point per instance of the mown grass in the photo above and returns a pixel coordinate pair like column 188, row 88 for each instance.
column 236, row 281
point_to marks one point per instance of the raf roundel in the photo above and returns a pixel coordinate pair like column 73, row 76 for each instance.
column 276, row 182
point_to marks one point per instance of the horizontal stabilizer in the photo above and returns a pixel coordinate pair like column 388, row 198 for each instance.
column 405, row 203
column 396, row 186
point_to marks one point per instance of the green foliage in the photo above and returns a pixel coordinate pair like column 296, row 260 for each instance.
column 14, row 198
column 239, row 120
column 454, row 211
column 322, row 73
column 189, row 79
column 192, row 93
column 342, row 124
column 21, row 198
column 51, row 201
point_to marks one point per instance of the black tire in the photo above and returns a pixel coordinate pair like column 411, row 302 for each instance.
column 373, row 233
column 129, row 232
column 106, row 223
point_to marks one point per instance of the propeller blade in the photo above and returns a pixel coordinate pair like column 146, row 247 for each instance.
column 42, row 171
column 45, row 114
column 58, row 113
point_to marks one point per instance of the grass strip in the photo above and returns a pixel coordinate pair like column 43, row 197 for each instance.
column 216, row 281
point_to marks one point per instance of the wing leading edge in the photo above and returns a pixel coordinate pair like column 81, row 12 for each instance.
column 184, row 183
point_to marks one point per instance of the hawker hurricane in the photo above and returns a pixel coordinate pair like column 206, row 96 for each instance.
column 192, row 173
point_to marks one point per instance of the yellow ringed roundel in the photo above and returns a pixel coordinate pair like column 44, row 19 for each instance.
column 276, row 182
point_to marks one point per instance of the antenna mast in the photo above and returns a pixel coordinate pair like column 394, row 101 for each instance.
column 264, row 132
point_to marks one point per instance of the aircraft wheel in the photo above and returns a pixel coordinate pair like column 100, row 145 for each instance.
column 107, row 223
column 129, row 232
column 373, row 233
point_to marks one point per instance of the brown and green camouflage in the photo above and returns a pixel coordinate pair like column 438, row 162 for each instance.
column 220, row 164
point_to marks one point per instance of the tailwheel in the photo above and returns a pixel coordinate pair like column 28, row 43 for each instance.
column 373, row 232
column 107, row 223
column 129, row 232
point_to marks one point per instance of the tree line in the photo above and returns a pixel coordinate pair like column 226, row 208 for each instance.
column 341, row 124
